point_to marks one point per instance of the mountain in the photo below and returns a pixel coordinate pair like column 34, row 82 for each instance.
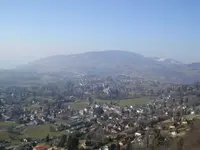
column 194, row 66
column 99, row 63
column 168, row 61
column 111, row 63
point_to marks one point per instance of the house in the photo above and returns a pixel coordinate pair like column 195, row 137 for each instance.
column 52, row 148
column 137, row 134
column 173, row 134
column 40, row 147
column 105, row 148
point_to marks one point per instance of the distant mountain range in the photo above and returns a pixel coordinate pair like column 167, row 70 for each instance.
column 112, row 63
column 168, row 61
column 194, row 66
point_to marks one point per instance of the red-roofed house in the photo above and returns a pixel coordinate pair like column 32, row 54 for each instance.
column 40, row 147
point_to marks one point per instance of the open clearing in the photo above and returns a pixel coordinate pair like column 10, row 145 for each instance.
column 81, row 104
column 136, row 101
column 189, row 117
column 40, row 131
column 4, row 135
column 192, row 116
column 126, row 102
column 78, row 105
column 7, row 124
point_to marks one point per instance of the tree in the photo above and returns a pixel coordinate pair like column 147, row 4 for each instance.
column 173, row 100
column 157, row 140
column 2, row 147
column 186, row 100
column 118, row 146
column 47, row 138
column 90, row 100
column 129, row 146
column 62, row 141
column 113, row 147
column 98, row 111
column 25, row 147
column 88, row 138
column 181, row 101
column 52, row 129
column 10, row 129
column 72, row 143
column 180, row 144
column 34, row 144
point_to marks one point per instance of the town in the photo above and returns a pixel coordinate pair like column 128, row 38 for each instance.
column 99, row 75
column 87, row 113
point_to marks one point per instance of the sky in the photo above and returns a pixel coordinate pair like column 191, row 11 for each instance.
column 33, row 29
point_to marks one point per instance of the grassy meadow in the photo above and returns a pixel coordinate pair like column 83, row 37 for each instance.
column 126, row 102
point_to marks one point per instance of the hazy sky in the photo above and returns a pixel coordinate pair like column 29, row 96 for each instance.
column 31, row 29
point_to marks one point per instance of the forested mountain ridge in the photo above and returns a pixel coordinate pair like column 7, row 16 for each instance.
column 112, row 63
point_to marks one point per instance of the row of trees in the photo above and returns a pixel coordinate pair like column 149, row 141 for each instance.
column 70, row 142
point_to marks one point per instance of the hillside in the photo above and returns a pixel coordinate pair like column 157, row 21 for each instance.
column 194, row 66
column 106, row 63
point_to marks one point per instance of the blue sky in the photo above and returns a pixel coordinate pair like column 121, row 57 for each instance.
column 31, row 29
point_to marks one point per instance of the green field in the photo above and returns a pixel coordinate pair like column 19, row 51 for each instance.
column 168, row 121
column 7, row 124
column 190, row 117
column 78, row 105
column 15, row 139
column 40, row 131
column 136, row 101
column 41, row 99
column 126, row 102
column 101, row 101
column 4, row 135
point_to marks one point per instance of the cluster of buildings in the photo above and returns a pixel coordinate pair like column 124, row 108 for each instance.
column 169, row 113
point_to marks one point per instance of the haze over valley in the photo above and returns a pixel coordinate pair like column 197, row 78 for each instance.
column 99, row 75
column 111, row 63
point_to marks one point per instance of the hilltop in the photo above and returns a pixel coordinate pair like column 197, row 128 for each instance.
column 115, row 62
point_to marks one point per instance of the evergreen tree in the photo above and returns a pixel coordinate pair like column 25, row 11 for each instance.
column 72, row 143
column 129, row 146
column 62, row 141
column 118, row 146
column 2, row 147
column 47, row 138
column 113, row 147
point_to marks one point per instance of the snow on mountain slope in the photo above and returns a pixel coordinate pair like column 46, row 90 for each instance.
column 168, row 61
